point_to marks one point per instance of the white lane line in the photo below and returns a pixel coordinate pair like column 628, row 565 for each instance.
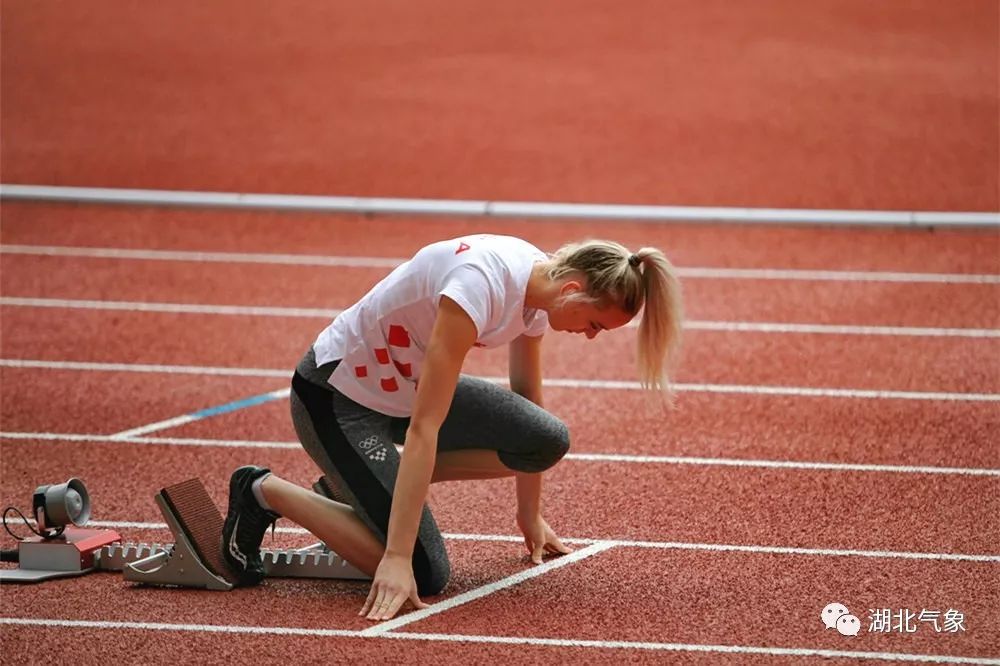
column 697, row 647
column 502, row 640
column 804, row 391
column 327, row 314
column 663, row 545
column 485, row 590
column 145, row 367
column 780, row 464
column 581, row 457
column 836, row 276
column 825, row 552
column 795, row 391
column 174, row 308
column 155, row 441
column 730, row 548
column 152, row 427
column 206, row 257
column 202, row 414
column 836, row 329
column 603, row 384
column 167, row 626
column 704, row 272
column 470, row 208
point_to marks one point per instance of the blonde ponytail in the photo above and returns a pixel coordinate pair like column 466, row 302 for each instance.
column 644, row 280
column 662, row 319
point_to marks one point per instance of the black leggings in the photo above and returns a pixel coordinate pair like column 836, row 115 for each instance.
column 353, row 445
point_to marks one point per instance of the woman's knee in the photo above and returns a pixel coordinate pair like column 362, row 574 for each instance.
column 544, row 447
column 558, row 441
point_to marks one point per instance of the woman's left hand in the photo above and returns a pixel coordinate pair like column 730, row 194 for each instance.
column 539, row 537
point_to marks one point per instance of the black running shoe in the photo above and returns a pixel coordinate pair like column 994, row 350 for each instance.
column 246, row 523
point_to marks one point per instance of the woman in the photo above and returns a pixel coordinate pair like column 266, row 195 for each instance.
column 388, row 370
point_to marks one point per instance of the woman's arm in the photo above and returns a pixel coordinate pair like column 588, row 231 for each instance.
column 453, row 335
column 525, row 367
column 525, row 373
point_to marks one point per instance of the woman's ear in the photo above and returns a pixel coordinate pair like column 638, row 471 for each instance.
column 569, row 287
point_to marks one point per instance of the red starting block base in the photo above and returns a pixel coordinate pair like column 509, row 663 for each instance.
column 70, row 554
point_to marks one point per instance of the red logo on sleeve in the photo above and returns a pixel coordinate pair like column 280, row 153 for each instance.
column 462, row 247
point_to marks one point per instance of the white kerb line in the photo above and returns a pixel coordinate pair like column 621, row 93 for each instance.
column 485, row 590
column 474, row 208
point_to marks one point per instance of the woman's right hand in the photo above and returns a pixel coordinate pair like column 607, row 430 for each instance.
column 392, row 586
column 539, row 537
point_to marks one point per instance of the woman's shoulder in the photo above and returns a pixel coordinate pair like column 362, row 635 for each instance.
column 492, row 250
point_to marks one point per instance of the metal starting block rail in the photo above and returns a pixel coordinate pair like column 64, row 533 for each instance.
column 195, row 558
column 315, row 561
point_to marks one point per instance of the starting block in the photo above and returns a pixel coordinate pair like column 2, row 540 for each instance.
column 195, row 558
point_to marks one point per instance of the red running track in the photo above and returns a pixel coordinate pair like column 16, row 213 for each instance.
column 711, row 594
column 834, row 104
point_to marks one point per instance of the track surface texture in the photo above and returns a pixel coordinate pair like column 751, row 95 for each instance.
column 835, row 434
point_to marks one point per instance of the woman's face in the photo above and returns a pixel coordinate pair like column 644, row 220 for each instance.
column 586, row 318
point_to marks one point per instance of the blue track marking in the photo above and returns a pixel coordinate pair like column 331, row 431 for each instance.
column 239, row 404
column 203, row 414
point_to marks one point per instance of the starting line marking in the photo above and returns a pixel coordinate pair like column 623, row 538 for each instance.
column 607, row 384
column 708, row 273
column 329, row 314
column 126, row 438
column 485, row 590
column 475, row 208
column 506, row 640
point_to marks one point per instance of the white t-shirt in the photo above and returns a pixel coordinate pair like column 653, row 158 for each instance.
column 381, row 339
